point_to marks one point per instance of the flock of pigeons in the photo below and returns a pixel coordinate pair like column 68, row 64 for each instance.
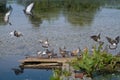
column 64, row 53
column 51, row 54
column 113, row 42
column 27, row 11
column 45, row 44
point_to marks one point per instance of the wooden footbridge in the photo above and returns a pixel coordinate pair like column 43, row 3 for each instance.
column 44, row 63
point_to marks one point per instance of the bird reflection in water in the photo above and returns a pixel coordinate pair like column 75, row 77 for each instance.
column 18, row 70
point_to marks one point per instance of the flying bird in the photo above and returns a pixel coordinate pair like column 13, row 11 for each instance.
column 16, row 33
column 28, row 9
column 113, row 42
column 96, row 37
column 7, row 15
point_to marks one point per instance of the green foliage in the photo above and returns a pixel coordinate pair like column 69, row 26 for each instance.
column 66, row 73
column 58, row 73
column 98, row 61
column 76, row 11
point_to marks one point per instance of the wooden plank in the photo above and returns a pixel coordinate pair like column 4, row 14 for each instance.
column 46, row 60
column 43, row 66
column 44, row 63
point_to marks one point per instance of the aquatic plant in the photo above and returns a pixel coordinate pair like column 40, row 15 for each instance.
column 59, row 74
column 56, row 74
column 98, row 61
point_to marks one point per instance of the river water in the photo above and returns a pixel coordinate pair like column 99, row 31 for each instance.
column 69, row 25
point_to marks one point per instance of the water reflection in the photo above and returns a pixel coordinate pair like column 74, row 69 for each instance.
column 3, row 9
column 80, row 12
column 35, row 21
column 76, row 12
column 18, row 70
column 2, row 6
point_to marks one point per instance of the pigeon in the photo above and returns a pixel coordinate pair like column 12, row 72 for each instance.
column 45, row 43
column 41, row 53
column 96, row 37
column 64, row 52
column 49, row 53
column 28, row 9
column 7, row 15
column 75, row 52
column 16, row 33
column 113, row 42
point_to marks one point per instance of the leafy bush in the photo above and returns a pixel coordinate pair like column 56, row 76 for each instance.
column 98, row 61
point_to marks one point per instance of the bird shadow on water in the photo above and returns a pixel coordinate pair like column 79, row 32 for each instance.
column 18, row 70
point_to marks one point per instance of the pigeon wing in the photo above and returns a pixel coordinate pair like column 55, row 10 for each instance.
column 94, row 37
column 109, row 40
column 99, row 35
column 117, row 39
column 29, row 7
column 6, row 17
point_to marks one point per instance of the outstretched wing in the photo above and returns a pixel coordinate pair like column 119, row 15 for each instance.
column 6, row 17
column 117, row 39
column 94, row 37
column 29, row 7
column 109, row 40
column 99, row 35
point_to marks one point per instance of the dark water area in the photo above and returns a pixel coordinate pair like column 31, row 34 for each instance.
column 63, row 22
column 9, row 62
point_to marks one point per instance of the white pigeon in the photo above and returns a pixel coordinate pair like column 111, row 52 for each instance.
column 45, row 43
column 44, row 52
column 28, row 9
column 6, row 17
column 41, row 53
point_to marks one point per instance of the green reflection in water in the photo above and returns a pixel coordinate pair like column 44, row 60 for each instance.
column 81, row 12
column 36, row 21
column 2, row 10
column 77, row 12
